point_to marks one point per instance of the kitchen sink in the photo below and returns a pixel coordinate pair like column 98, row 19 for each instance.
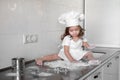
column 98, row 54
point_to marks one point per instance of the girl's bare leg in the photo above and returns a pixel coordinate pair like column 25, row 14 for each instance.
column 39, row 61
column 89, row 56
column 91, row 59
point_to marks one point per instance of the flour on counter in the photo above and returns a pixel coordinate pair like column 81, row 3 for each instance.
column 94, row 62
column 65, row 64
column 45, row 74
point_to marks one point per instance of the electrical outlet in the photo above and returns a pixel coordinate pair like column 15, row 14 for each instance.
column 30, row 38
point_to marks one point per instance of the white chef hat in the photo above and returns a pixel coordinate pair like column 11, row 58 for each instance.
column 72, row 18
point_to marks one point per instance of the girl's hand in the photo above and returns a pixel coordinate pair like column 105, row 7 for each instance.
column 89, row 46
column 85, row 44
column 39, row 62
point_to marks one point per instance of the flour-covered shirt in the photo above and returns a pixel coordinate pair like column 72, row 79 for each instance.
column 75, row 48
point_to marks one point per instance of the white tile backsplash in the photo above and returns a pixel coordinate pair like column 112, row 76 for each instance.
column 18, row 17
column 102, row 21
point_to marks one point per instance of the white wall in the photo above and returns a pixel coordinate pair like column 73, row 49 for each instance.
column 18, row 17
column 103, row 22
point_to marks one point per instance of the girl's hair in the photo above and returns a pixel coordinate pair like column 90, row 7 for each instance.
column 81, row 33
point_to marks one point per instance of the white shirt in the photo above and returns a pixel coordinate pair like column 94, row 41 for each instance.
column 75, row 49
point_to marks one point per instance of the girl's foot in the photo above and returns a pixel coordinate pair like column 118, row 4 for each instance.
column 94, row 62
column 39, row 61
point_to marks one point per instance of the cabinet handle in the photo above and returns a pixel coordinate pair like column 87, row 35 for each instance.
column 109, row 64
column 96, row 76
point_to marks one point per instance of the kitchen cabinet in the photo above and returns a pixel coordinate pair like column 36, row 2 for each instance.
column 110, row 69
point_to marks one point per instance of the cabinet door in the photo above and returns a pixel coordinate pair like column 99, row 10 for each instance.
column 119, row 68
column 110, row 77
column 97, row 75
column 112, row 66
column 110, row 70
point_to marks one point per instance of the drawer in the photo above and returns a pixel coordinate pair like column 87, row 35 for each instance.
column 96, row 75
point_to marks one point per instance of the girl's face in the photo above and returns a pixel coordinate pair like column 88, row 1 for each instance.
column 74, row 31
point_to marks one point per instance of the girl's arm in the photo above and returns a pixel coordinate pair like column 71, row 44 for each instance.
column 66, row 51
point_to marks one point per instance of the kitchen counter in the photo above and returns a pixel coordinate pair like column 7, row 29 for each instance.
column 78, row 74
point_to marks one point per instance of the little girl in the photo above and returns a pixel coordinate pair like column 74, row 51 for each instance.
column 72, row 41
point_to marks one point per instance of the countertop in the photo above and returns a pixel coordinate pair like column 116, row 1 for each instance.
column 78, row 74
